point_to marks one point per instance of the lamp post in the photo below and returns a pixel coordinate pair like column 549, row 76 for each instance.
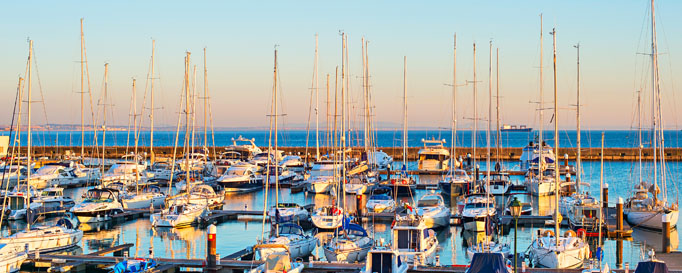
column 515, row 209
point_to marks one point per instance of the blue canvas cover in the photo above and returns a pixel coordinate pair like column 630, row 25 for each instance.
column 651, row 267
column 487, row 263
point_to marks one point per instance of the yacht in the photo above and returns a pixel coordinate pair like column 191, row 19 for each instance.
column 286, row 176
column 11, row 257
column 432, row 208
column 434, row 157
column 645, row 210
column 163, row 171
column 414, row 240
column 383, row 258
column 178, row 215
column 126, row 172
column 351, row 245
column 456, row 183
column 568, row 251
column 59, row 175
column 18, row 200
column 500, row 184
column 201, row 194
column 293, row 162
column 328, row 217
column 50, row 202
column 287, row 212
column 479, row 213
column 143, row 197
column 380, row 200
column 12, row 174
column 98, row 206
column 540, row 183
column 531, row 155
column 261, row 159
column 61, row 236
column 277, row 261
column 321, row 178
column 245, row 147
column 380, row 160
column 292, row 236
column 241, row 177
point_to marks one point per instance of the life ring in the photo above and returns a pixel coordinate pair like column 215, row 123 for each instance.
column 548, row 233
column 569, row 233
column 581, row 232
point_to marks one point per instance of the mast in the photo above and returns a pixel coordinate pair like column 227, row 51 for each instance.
column 28, row 133
column 578, row 161
column 135, row 135
column 205, row 101
column 276, row 134
column 601, row 186
column 327, row 118
column 556, row 143
column 454, row 105
column 498, row 137
column 317, row 103
column 364, row 100
column 541, row 144
column 404, row 112
column 151, row 110
column 82, row 93
column 187, row 121
column 475, row 132
column 639, row 132
column 104, row 116
column 487, row 134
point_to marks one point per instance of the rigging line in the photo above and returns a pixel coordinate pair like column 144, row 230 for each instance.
column 42, row 97
column 12, row 146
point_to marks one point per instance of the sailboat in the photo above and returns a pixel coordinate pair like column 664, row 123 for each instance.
column 553, row 250
column 40, row 238
column 645, row 209
column 287, row 234
column 350, row 245
column 278, row 260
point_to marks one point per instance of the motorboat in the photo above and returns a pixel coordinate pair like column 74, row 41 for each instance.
column 645, row 210
column 321, row 179
column 247, row 148
column 50, row 202
column 384, row 258
column 293, row 162
column 163, row 171
column 328, row 217
column 201, row 194
column 360, row 184
column 381, row 200
column 432, row 208
column 500, row 184
column 98, row 205
column 62, row 235
column 196, row 161
column 12, row 174
column 135, row 265
column 380, row 160
column 287, row 212
column 351, row 245
column 456, row 183
column 567, row 251
column 433, row 157
column 582, row 211
column 18, row 200
column 178, row 215
column 143, row 197
column 479, row 213
column 126, row 172
column 286, row 176
column 11, row 257
column 413, row 240
column 278, row 260
column 241, row 177
column 291, row 235
column 59, row 175
column 263, row 158
column 540, row 183
column 229, row 158
column 488, row 262
column 530, row 155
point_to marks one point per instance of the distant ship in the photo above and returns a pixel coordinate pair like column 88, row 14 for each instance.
column 515, row 128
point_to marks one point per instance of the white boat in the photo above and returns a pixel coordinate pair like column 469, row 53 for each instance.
column 178, row 215
column 293, row 162
column 488, row 246
column 287, row 212
column 11, row 257
column 531, row 155
column 197, row 161
column 434, row 157
column 381, row 160
column 278, row 260
column 500, row 184
column 98, row 206
column 350, row 246
column 432, row 208
column 300, row 245
column 479, row 213
column 126, row 172
column 540, row 184
column 162, row 171
column 12, row 174
column 247, row 148
column 568, row 251
column 286, row 176
column 63, row 235
column 321, row 177
column 17, row 201
column 201, row 194
column 384, row 259
column 328, row 217
column 380, row 200
column 51, row 201
column 359, row 184
column 143, row 198
column 646, row 211
column 261, row 159
column 582, row 212
column 241, row 177
column 414, row 240
column 455, row 183
column 59, row 175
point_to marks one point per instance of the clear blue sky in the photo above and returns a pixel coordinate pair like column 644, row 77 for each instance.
column 240, row 36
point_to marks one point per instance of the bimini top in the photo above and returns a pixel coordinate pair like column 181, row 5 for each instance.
column 488, row 262
column 651, row 267
column 354, row 229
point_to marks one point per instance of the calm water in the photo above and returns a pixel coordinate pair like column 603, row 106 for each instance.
column 236, row 235
column 388, row 138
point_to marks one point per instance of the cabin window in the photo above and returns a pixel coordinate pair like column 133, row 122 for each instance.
column 381, row 262
column 433, row 157
column 408, row 239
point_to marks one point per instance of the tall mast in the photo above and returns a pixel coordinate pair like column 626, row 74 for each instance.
column 327, row 127
column 639, row 131
column 454, row 104
column 151, row 110
column 28, row 132
column 405, row 112
column 556, row 143
column 540, row 143
column 82, row 93
column 194, row 107
column 135, row 135
column 104, row 114
column 187, row 124
column 276, row 133
column 654, row 91
column 317, row 103
column 475, row 132
column 205, row 101
column 487, row 134
column 498, row 136
column 578, row 161
column 364, row 100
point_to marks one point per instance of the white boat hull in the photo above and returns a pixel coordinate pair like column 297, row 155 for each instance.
column 318, row 187
column 13, row 263
column 349, row 252
column 298, row 248
column 356, row 188
column 46, row 243
column 651, row 220
column 327, row 221
column 143, row 202
column 542, row 189
column 175, row 220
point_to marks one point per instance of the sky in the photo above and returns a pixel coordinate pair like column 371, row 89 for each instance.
column 240, row 37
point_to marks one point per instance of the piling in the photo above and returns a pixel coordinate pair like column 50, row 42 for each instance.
column 566, row 160
column 666, row 233
column 619, row 217
column 478, row 174
column 619, row 253
column 211, row 256
column 605, row 195
column 358, row 207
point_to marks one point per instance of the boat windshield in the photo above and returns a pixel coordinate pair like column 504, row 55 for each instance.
column 475, row 206
column 428, row 203
column 290, row 229
column 236, row 171
column 99, row 196
column 50, row 193
column 380, row 197
column 433, row 157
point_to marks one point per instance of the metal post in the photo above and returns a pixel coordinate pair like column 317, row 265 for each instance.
column 211, row 249
column 619, row 217
column 666, row 233
column 516, row 227
column 605, row 191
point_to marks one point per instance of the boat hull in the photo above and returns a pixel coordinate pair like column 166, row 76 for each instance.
column 651, row 220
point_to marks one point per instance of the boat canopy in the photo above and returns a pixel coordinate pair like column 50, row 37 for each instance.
column 354, row 229
column 651, row 267
column 488, row 262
